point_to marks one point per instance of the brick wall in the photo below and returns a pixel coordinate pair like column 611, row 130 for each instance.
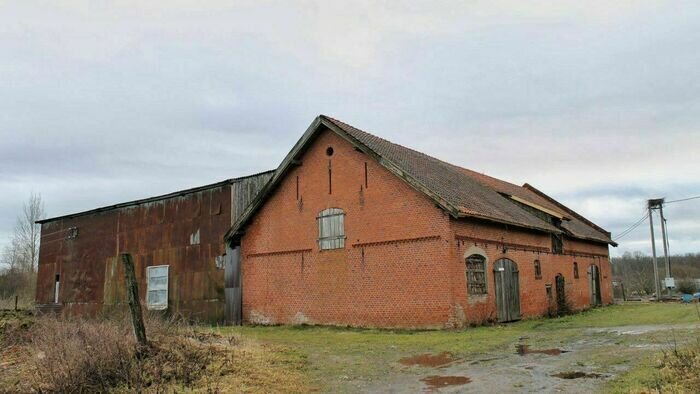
column 524, row 247
column 392, row 271
column 403, row 261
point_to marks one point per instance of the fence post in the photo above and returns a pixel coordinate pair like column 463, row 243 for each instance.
column 132, row 291
column 16, row 297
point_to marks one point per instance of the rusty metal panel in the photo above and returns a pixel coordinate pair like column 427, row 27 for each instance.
column 155, row 232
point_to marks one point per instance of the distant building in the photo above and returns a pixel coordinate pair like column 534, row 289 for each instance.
column 351, row 229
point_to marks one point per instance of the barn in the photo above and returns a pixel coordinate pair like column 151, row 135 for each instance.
column 355, row 230
column 350, row 229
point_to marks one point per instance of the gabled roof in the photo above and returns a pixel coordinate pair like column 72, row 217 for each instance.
column 460, row 192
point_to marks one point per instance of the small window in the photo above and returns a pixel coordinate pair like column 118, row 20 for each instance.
column 476, row 274
column 72, row 233
column 56, row 286
column 575, row 270
column 557, row 244
column 157, row 293
column 538, row 270
column 548, row 289
column 331, row 229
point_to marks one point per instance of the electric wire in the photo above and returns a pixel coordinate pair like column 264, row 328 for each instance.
column 682, row 199
column 632, row 227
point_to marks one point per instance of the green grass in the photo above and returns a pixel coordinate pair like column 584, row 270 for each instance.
column 640, row 379
column 338, row 355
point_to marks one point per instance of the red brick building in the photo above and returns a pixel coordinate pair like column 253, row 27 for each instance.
column 355, row 230
column 351, row 229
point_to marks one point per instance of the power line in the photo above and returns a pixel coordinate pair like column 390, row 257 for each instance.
column 632, row 227
column 682, row 199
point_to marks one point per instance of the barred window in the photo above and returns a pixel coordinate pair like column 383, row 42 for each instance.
column 331, row 229
column 476, row 274
column 157, row 290
column 538, row 270
column 575, row 270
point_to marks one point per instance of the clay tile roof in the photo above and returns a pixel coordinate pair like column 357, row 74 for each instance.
column 475, row 194
column 462, row 192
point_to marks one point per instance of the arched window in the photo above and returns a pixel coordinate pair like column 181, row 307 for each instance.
column 331, row 229
column 476, row 274
column 538, row 270
column 575, row 270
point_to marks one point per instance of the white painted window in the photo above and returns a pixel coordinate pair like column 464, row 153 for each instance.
column 331, row 229
column 57, row 285
column 157, row 293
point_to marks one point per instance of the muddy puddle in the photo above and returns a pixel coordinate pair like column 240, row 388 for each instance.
column 435, row 382
column 429, row 360
column 525, row 349
column 576, row 375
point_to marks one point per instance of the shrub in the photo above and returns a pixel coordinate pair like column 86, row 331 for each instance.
column 687, row 286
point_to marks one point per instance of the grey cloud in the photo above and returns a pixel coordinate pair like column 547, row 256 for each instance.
column 595, row 104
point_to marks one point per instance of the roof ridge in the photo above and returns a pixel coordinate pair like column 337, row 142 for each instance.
column 394, row 143
column 382, row 139
column 459, row 191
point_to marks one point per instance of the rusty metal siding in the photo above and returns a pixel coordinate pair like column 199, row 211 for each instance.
column 155, row 233
column 182, row 230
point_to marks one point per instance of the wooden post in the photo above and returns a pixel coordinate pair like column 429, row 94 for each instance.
column 16, row 297
column 132, row 291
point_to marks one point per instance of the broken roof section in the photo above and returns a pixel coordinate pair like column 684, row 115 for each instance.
column 461, row 192
column 158, row 198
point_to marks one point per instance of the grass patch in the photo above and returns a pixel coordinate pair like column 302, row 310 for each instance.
column 626, row 315
column 339, row 356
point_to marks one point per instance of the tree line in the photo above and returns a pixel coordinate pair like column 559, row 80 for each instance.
column 636, row 271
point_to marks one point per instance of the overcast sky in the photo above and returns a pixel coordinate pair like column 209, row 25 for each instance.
column 595, row 103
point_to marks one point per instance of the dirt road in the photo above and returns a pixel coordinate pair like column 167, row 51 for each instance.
column 535, row 364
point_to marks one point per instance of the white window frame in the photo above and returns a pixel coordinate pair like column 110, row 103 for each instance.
column 150, row 288
column 331, row 229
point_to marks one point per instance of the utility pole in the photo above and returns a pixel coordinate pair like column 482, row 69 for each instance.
column 667, row 256
column 653, row 251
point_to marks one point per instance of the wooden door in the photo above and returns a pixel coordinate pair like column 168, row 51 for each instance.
column 594, row 282
column 233, row 312
column 505, row 273
column 561, row 294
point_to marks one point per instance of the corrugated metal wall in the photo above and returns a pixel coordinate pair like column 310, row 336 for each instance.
column 182, row 231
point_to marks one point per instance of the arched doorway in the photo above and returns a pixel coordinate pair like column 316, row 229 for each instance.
column 594, row 284
column 505, row 274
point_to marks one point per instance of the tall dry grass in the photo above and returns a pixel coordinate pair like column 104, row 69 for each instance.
column 75, row 355
column 53, row 354
column 679, row 367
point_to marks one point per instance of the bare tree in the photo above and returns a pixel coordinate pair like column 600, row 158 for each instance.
column 28, row 232
column 19, row 259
